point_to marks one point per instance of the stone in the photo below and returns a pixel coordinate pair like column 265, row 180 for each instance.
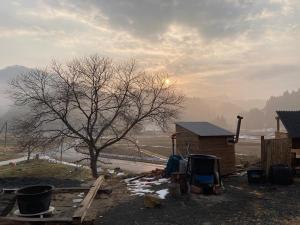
column 151, row 201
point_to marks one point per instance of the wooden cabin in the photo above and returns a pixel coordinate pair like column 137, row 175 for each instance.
column 206, row 138
column 285, row 148
column 291, row 123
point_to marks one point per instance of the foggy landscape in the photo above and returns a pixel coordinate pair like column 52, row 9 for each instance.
column 185, row 112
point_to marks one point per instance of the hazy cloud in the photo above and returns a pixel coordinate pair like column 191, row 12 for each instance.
column 211, row 47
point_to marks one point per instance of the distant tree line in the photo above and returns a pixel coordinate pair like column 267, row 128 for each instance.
column 265, row 117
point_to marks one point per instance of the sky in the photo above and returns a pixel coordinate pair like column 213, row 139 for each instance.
column 243, row 49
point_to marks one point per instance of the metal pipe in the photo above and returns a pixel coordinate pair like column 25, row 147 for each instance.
column 238, row 128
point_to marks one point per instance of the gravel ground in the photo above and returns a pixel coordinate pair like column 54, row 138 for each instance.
column 239, row 204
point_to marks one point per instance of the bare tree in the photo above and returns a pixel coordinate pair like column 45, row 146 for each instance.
column 28, row 137
column 93, row 100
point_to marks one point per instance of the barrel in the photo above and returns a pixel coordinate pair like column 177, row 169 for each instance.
column 34, row 199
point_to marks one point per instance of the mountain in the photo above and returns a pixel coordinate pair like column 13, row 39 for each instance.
column 265, row 117
column 7, row 74
column 219, row 110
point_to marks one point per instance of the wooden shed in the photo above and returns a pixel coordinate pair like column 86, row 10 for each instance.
column 291, row 122
column 206, row 138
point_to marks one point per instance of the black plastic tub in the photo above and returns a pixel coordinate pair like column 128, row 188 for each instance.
column 255, row 176
column 34, row 199
column 281, row 174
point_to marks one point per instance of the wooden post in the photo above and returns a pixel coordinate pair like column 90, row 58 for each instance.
column 278, row 124
column 269, row 148
column 262, row 152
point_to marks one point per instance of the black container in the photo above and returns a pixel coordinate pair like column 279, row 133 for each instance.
column 281, row 174
column 255, row 176
column 34, row 199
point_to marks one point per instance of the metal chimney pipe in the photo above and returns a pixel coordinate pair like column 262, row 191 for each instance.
column 238, row 129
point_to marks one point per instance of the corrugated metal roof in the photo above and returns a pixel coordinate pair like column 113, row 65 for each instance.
column 291, row 122
column 205, row 129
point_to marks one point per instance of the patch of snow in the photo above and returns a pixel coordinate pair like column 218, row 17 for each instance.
column 80, row 195
column 120, row 174
column 163, row 180
column 77, row 200
column 162, row 193
column 138, row 194
column 110, row 171
column 141, row 190
column 144, row 185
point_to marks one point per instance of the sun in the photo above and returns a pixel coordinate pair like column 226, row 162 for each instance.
column 167, row 81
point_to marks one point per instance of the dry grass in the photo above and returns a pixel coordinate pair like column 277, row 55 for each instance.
column 43, row 168
column 6, row 154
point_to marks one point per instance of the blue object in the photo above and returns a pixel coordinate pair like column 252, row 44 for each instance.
column 204, row 179
column 173, row 164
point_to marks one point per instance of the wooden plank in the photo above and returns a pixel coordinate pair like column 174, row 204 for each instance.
column 80, row 213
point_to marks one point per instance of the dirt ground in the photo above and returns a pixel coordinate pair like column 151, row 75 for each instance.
column 239, row 204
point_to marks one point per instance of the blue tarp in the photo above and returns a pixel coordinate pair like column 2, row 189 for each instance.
column 173, row 164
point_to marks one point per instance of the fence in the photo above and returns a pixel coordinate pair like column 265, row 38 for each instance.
column 275, row 151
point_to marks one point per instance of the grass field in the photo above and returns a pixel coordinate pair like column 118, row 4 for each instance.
column 9, row 153
column 43, row 168
column 162, row 145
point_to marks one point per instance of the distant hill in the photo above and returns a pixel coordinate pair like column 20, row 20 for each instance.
column 6, row 74
column 220, row 110
column 265, row 117
column 10, row 72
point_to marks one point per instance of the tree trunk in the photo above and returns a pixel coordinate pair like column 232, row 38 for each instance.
column 28, row 154
column 93, row 164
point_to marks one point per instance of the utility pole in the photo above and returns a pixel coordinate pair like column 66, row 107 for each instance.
column 61, row 148
column 5, row 135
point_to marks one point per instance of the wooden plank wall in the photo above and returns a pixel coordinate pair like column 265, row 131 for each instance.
column 217, row 146
column 275, row 151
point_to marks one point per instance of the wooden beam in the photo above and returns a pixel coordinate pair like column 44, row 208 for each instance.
column 80, row 213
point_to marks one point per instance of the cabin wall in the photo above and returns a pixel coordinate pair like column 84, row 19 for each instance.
column 217, row 146
column 296, row 143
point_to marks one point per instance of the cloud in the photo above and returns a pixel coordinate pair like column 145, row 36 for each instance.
column 151, row 18
column 212, row 47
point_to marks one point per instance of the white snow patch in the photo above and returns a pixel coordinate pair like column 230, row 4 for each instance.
column 80, row 195
column 145, row 185
column 77, row 200
column 162, row 193
column 110, row 171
